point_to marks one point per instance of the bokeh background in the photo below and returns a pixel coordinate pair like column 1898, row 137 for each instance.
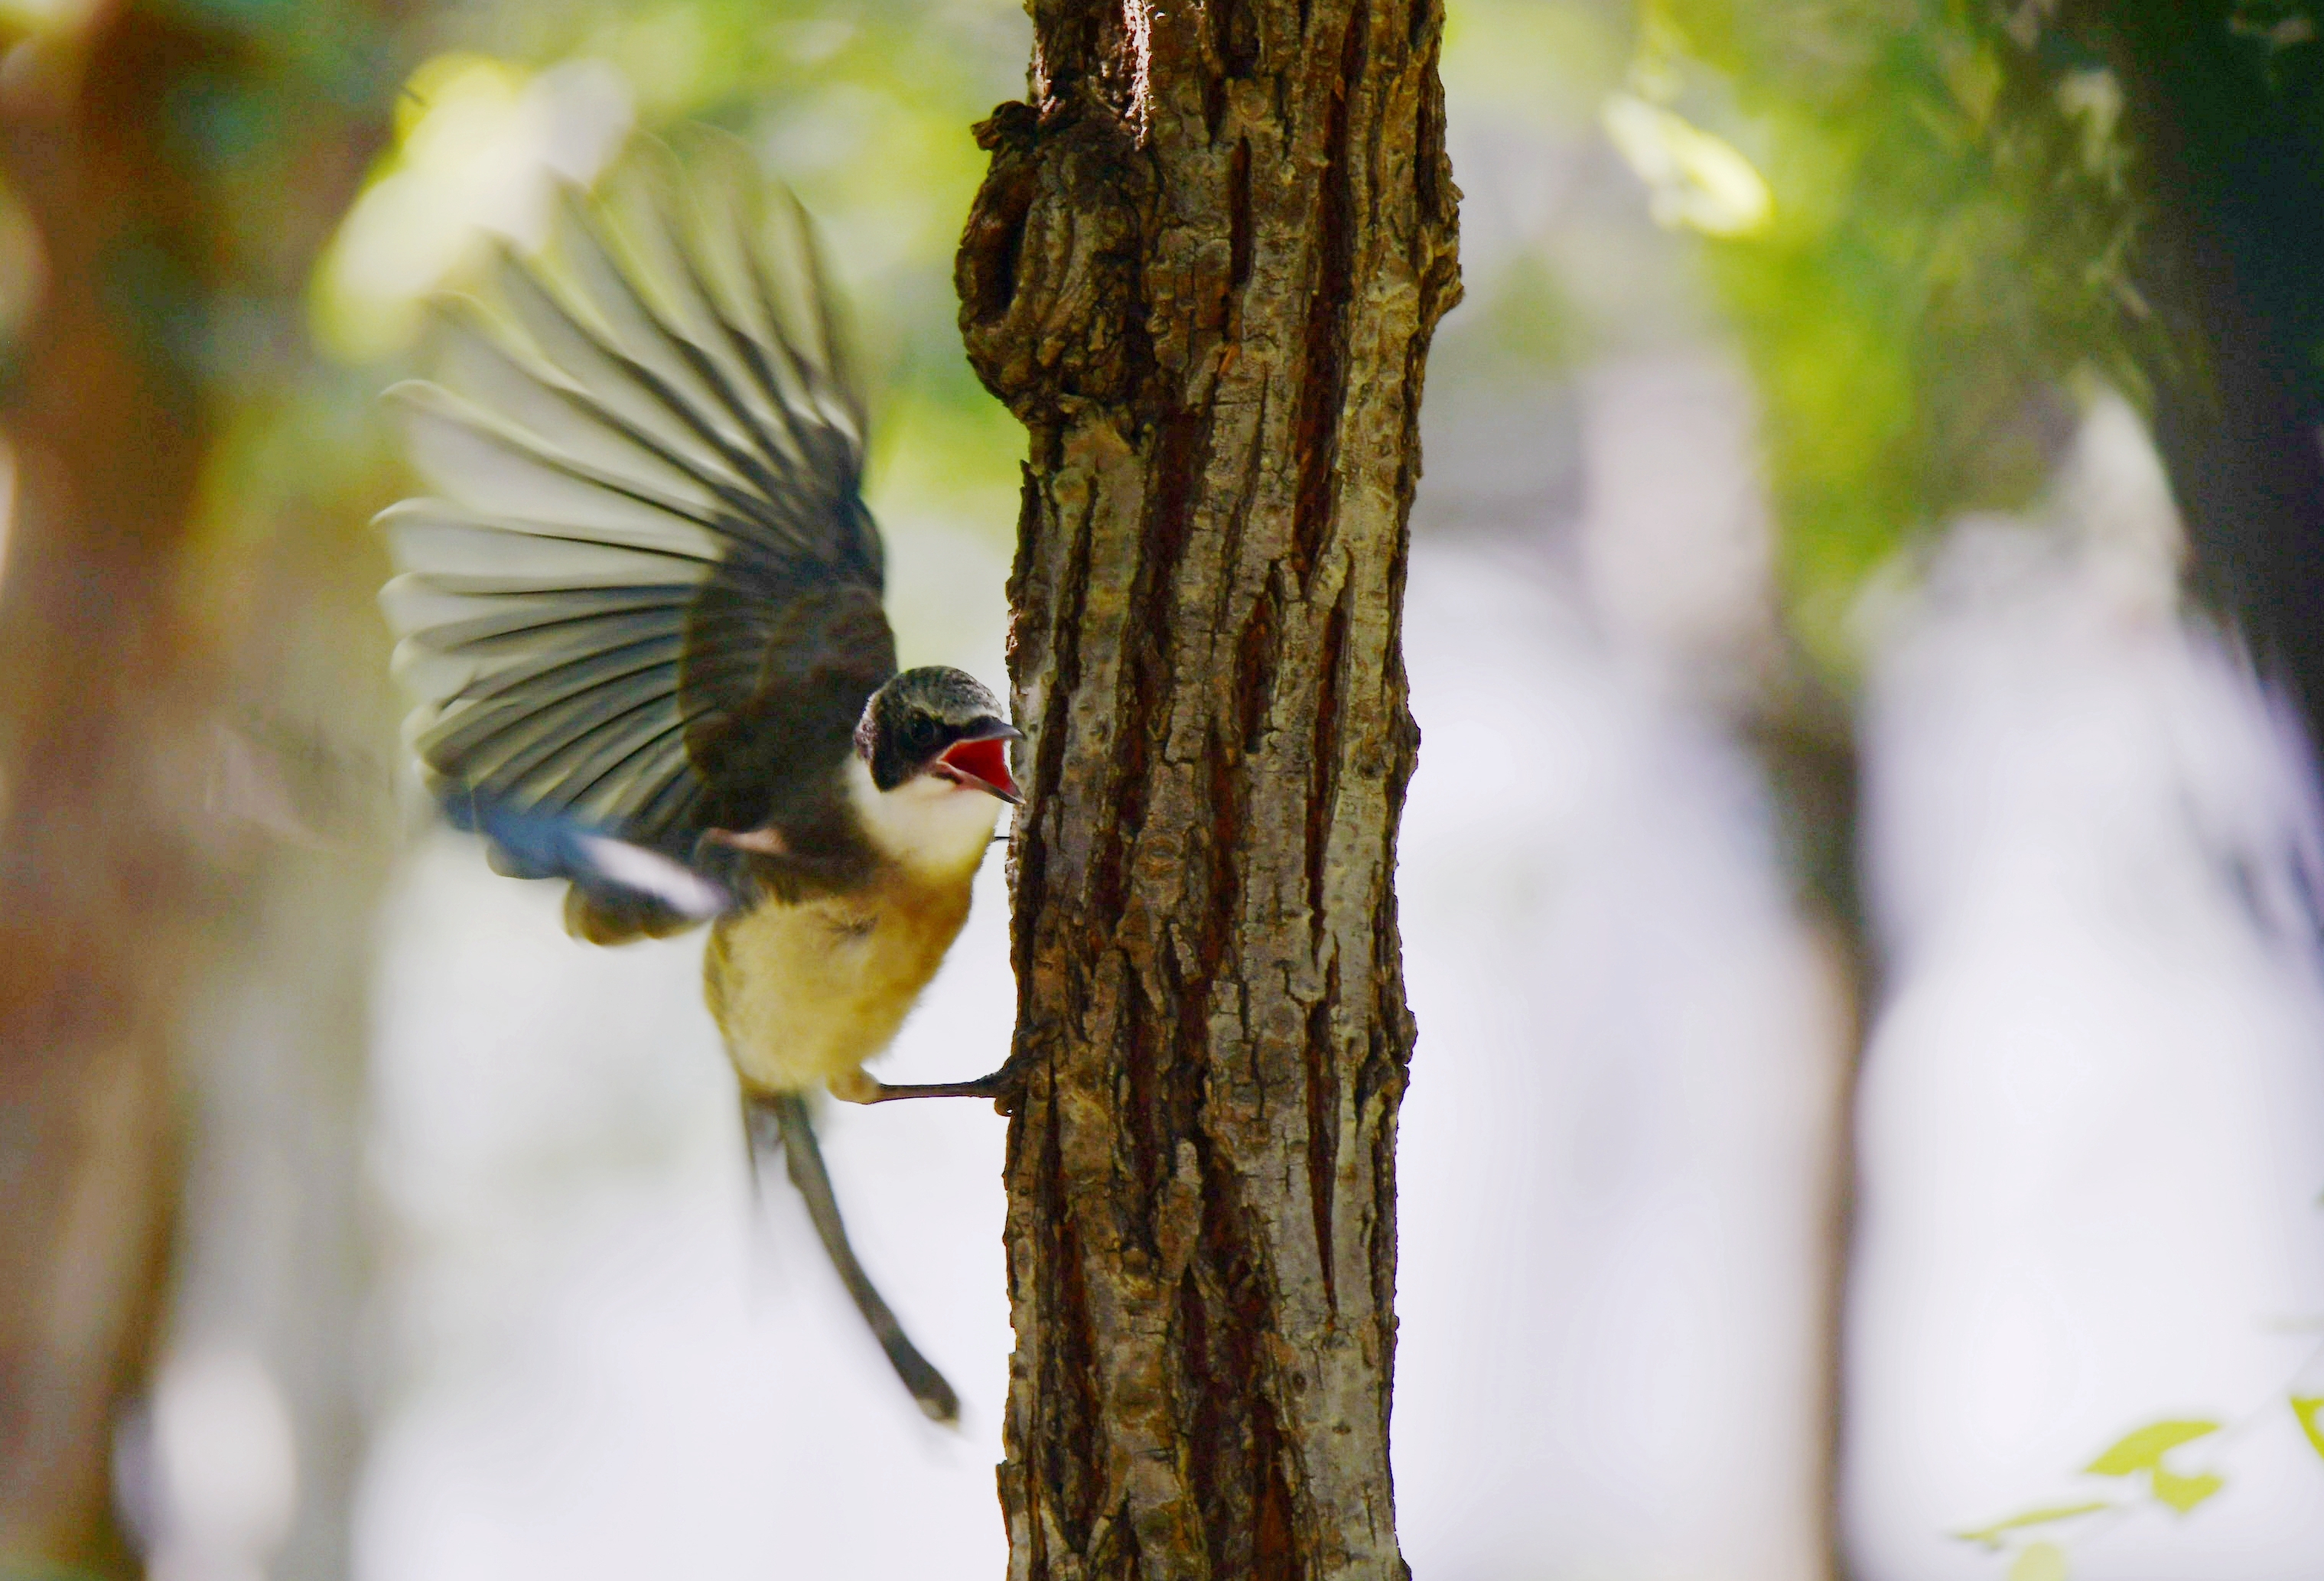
column 1861, row 918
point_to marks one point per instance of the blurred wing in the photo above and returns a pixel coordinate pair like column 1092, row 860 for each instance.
column 646, row 570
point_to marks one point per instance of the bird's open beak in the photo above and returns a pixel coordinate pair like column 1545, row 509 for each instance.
column 983, row 760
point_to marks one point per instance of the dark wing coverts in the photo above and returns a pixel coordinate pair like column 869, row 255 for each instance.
column 648, row 598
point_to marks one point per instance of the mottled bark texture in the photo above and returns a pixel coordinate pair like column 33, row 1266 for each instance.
column 1204, row 270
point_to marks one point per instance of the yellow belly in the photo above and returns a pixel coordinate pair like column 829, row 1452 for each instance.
column 806, row 993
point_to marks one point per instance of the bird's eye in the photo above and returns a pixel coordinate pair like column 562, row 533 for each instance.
column 921, row 731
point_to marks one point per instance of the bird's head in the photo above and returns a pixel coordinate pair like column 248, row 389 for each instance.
column 940, row 725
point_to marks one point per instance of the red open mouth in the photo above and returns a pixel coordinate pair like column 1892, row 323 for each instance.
column 982, row 764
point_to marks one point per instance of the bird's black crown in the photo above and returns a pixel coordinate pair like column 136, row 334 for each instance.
column 910, row 721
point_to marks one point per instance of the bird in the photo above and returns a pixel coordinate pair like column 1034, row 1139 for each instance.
column 641, row 617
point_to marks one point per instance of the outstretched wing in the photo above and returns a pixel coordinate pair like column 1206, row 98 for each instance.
column 646, row 597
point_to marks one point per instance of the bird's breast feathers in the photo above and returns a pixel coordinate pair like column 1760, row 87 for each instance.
column 806, row 992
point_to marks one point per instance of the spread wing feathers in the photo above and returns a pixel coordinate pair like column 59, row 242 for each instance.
column 647, row 569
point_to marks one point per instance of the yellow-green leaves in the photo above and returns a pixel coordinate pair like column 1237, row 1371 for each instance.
column 2142, row 1448
column 2182, row 1494
column 2039, row 1562
column 2310, row 1410
column 1992, row 1536
column 2138, row 1453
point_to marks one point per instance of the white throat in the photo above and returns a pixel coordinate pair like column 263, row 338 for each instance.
column 935, row 827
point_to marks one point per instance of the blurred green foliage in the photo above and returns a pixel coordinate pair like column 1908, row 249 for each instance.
column 1947, row 250
column 1950, row 245
column 865, row 110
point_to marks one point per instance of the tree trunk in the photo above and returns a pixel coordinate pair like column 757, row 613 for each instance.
column 1805, row 742
column 1204, row 269
column 2232, row 259
column 117, row 878
column 108, row 430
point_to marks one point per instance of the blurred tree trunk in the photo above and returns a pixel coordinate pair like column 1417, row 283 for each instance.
column 169, row 168
column 98, row 889
column 2229, row 128
column 1805, row 743
column 1204, row 269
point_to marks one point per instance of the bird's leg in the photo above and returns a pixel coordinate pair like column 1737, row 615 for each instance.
column 997, row 1087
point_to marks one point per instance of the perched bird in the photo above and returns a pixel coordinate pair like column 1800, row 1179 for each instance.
column 641, row 617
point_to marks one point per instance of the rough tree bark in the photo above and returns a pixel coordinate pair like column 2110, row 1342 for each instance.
column 1204, row 269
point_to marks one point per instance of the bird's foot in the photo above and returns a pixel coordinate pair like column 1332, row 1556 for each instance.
column 861, row 1086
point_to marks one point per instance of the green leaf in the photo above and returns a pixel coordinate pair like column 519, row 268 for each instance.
column 2039, row 1562
column 1991, row 1535
column 2144, row 1449
column 2182, row 1494
column 2310, row 1410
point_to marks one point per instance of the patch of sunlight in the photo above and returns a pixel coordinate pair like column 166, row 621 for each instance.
column 1692, row 178
column 481, row 146
column 46, row 16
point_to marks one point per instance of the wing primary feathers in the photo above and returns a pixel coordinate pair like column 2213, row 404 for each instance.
column 618, row 366
column 609, row 290
column 542, row 398
column 754, row 357
column 585, row 788
column 726, row 226
column 546, row 383
column 864, row 546
column 653, row 783
column 673, row 802
column 705, row 367
column 746, row 353
column 605, row 704
column 434, row 404
column 793, row 360
column 523, row 538
column 568, row 672
column 647, row 593
column 614, row 287
column 485, row 630
column 828, row 328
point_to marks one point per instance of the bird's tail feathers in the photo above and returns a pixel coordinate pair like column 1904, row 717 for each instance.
column 779, row 1122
